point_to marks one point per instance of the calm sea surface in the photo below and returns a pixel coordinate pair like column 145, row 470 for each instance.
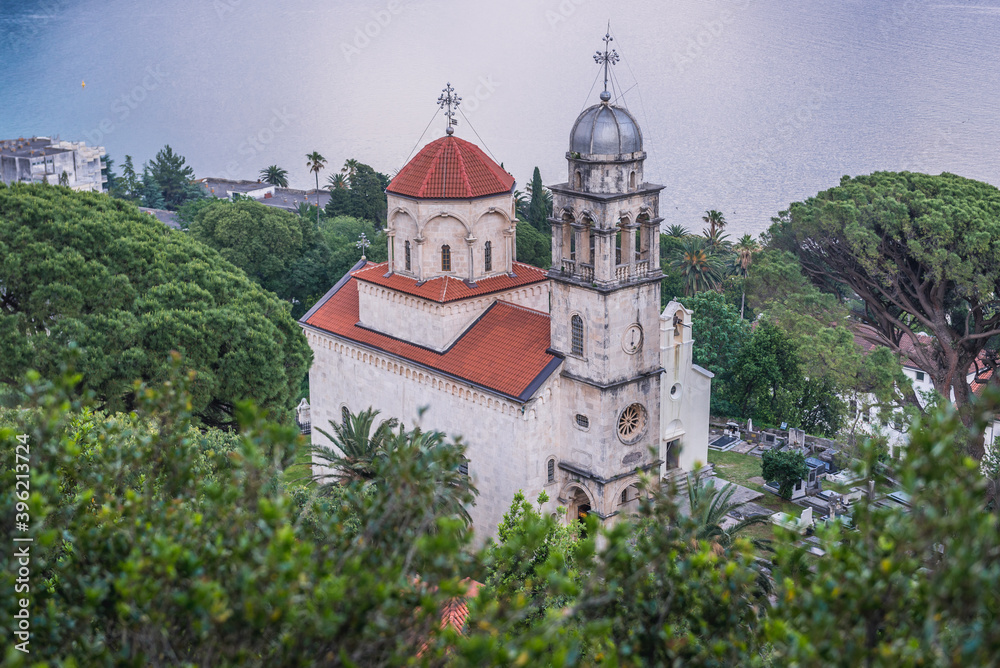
column 746, row 105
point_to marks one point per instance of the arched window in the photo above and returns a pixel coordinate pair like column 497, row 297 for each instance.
column 446, row 258
column 572, row 244
column 551, row 472
column 592, row 236
column 406, row 252
column 638, row 244
column 488, row 256
column 631, row 181
column 345, row 416
column 576, row 324
column 578, row 181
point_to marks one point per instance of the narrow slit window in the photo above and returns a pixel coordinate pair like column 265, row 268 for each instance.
column 576, row 323
column 446, row 258
column 488, row 256
column 406, row 252
column 551, row 470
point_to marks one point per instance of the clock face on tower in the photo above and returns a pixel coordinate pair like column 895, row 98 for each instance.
column 632, row 339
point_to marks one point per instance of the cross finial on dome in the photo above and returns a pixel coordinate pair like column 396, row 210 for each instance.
column 449, row 99
column 606, row 58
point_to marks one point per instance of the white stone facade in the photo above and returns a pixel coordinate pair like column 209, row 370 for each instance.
column 620, row 399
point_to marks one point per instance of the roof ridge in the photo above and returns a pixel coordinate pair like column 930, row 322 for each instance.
column 462, row 171
column 523, row 308
column 431, row 171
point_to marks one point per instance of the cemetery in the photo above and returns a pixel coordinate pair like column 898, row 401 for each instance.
column 826, row 493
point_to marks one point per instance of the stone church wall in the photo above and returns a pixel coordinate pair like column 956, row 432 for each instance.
column 507, row 442
column 432, row 324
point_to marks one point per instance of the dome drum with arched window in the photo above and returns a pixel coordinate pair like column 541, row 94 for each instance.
column 451, row 213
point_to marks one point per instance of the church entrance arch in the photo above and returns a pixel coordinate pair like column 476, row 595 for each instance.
column 580, row 504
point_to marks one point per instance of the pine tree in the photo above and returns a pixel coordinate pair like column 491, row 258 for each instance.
column 129, row 185
column 150, row 190
column 173, row 177
column 540, row 206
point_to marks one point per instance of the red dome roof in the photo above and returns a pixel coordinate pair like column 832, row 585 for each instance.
column 451, row 168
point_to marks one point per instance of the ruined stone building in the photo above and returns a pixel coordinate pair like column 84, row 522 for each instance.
column 569, row 380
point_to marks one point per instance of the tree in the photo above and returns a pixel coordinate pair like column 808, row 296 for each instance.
column 540, row 204
column 719, row 335
column 93, row 273
column 677, row 232
column 282, row 252
column 130, row 184
column 533, row 247
column 315, row 163
column 907, row 587
column 64, row 178
column 108, row 171
column 785, row 468
column 151, row 194
column 709, row 507
column 745, row 249
column 920, row 253
column 336, row 182
column 699, row 268
column 349, row 169
column 275, row 175
column 154, row 544
column 716, row 222
column 357, row 446
column 341, row 233
column 766, row 377
column 173, row 177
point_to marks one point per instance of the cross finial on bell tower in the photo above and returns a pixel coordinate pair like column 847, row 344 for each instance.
column 606, row 58
column 449, row 99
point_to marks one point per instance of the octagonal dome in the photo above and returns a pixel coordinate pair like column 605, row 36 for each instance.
column 605, row 129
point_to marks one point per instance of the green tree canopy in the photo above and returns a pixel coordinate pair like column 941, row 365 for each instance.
column 173, row 178
column 281, row 251
column 766, row 377
column 920, row 251
column 341, row 234
column 784, row 467
column 533, row 247
column 364, row 197
column 719, row 335
column 275, row 175
column 85, row 270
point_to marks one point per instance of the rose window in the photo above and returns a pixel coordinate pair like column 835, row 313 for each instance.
column 631, row 423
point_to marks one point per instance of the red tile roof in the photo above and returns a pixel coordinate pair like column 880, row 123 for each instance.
column 451, row 168
column 456, row 611
column 981, row 380
column 503, row 351
column 866, row 336
column 448, row 288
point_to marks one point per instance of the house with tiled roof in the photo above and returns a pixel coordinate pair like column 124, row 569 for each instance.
column 569, row 380
column 896, row 430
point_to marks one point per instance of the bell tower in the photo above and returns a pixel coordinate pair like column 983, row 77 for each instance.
column 605, row 320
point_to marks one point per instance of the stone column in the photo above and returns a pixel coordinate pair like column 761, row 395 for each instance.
column 391, row 243
column 471, row 243
column 419, row 241
column 628, row 243
column 557, row 242
column 604, row 263
column 509, row 240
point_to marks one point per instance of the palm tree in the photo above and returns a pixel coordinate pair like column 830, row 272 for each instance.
column 745, row 249
column 699, row 267
column 357, row 448
column 709, row 505
column 677, row 232
column 275, row 175
column 349, row 169
column 315, row 163
column 336, row 182
column 716, row 221
column 717, row 242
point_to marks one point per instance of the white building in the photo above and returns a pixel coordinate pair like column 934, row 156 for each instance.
column 569, row 381
column 39, row 159
column 896, row 430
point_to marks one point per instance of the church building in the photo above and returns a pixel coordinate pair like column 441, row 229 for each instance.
column 569, row 380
